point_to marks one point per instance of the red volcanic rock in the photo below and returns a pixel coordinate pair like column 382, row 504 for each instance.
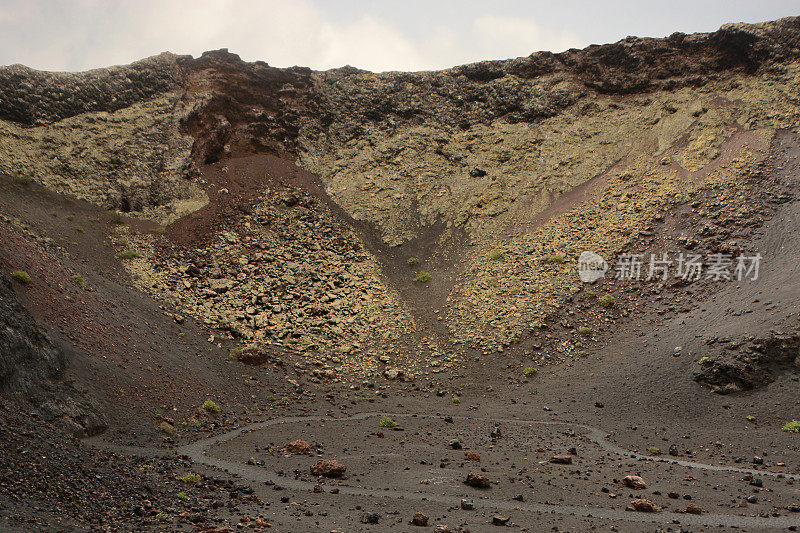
column 634, row 482
column 693, row 509
column 297, row 447
column 644, row 506
column 328, row 468
column 478, row 481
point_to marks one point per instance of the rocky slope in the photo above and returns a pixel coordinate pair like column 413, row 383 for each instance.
column 475, row 173
column 32, row 371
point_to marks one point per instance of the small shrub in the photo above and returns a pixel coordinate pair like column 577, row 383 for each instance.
column 70, row 217
column 115, row 218
column 160, row 516
column 77, row 278
column 21, row 276
column 584, row 330
column 211, row 407
column 791, row 427
column 497, row 255
column 387, row 422
column 145, row 467
column 128, row 254
column 653, row 450
column 161, row 230
column 607, row 300
column 79, row 229
column 423, row 277
column 703, row 360
column 456, row 399
column 182, row 496
column 590, row 295
column 190, row 477
column 413, row 261
column 529, row 371
column 556, row 259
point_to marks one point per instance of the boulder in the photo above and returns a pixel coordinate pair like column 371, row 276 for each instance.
column 328, row 468
column 420, row 519
column 634, row 482
column 643, row 505
column 297, row 447
column 478, row 481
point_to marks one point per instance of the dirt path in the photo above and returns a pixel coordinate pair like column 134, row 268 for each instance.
column 200, row 453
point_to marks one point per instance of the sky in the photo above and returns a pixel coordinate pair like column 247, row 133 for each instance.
column 376, row 35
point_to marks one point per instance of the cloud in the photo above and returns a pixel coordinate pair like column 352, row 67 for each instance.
column 87, row 34
column 503, row 37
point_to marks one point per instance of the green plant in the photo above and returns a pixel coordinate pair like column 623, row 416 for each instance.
column 77, row 278
column 556, row 259
column 387, row 422
column 584, row 330
column 703, row 360
column 590, row 295
column 182, row 496
column 422, row 277
column 70, row 217
column 21, row 276
column 145, row 467
column 413, row 261
column 190, row 477
column 211, row 407
column 79, row 229
column 607, row 300
column 529, row 371
column 115, row 218
column 791, row 427
column 160, row 230
column 497, row 254
column 653, row 450
column 456, row 399
column 160, row 515
column 128, row 254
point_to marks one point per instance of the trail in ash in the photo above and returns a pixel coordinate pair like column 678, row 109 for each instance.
column 196, row 451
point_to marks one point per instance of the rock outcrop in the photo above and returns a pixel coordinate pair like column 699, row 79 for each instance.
column 32, row 367
column 477, row 172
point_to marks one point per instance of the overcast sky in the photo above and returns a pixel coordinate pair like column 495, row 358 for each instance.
column 372, row 34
